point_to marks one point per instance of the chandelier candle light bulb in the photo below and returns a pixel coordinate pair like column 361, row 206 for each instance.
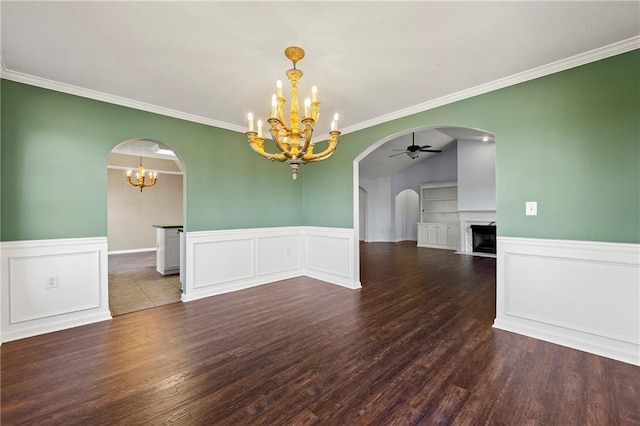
column 293, row 139
column 250, row 118
column 307, row 107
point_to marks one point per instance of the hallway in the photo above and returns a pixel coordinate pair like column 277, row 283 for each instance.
column 134, row 283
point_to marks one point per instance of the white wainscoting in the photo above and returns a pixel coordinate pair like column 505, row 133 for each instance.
column 229, row 260
column 580, row 294
column 329, row 255
column 216, row 262
column 81, row 296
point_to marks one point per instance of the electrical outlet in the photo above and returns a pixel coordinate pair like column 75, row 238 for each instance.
column 51, row 281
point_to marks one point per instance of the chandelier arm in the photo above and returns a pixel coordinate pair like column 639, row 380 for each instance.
column 308, row 133
column 257, row 144
column 315, row 160
column 275, row 135
column 333, row 144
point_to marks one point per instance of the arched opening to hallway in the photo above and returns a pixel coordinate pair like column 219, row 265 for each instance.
column 144, row 226
column 466, row 161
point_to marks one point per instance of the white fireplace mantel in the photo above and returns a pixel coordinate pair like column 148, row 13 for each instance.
column 468, row 218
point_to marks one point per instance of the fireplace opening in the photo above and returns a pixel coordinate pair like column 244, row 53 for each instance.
column 484, row 238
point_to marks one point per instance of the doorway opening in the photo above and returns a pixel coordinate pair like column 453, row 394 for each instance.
column 407, row 215
column 459, row 157
column 145, row 269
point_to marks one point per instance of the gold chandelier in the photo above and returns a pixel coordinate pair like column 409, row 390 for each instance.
column 140, row 178
column 292, row 140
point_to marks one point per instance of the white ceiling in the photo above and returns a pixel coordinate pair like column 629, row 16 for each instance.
column 215, row 61
column 378, row 162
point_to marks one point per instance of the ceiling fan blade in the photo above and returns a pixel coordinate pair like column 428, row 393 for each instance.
column 430, row 150
column 400, row 153
column 425, row 146
column 403, row 150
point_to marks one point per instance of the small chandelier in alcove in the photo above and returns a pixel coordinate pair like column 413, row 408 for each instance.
column 141, row 181
column 293, row 142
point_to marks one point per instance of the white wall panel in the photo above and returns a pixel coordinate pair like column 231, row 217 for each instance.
column 329, row 255
column 279, row 253
column 81, row 296
column 222, row 261
column 584, row 295
column 78, row 284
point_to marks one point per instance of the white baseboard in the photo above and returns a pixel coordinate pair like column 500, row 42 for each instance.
column 140, row 250
column 80, row 296
column 580, row 294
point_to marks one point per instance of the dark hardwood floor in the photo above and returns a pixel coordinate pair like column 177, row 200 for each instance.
column 414, row 346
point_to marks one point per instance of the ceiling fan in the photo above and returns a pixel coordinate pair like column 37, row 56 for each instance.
column 413, row 149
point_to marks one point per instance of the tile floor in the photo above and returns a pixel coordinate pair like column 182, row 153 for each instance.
column 134, row 283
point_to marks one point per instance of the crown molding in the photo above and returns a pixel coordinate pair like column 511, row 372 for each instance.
column 116, row 100
column 541, row 71
column 614, row 49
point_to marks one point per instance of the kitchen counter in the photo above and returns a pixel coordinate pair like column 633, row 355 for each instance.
column 168, row 249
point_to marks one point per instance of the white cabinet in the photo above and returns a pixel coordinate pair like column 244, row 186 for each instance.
column 167, row 249
column 439, row 226
column 438, row 235
column 453, row 235
column 423, row 233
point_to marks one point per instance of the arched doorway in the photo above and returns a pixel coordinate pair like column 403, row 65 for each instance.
column 144, row 226
column 386, row 178
column 407, row 215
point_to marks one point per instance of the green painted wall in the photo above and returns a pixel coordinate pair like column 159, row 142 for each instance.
column 570, row 141
column 54, row 177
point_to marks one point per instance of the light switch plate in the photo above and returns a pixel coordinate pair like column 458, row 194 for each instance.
column 531, row 208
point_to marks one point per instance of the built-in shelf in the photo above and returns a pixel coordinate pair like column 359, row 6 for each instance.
column 439, row 222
